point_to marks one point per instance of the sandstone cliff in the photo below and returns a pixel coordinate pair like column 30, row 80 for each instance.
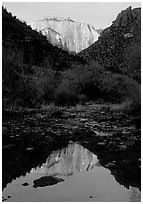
column 66, row 33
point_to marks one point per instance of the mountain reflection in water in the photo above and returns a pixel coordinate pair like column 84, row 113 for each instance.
column 83, row 180
column 70, row 160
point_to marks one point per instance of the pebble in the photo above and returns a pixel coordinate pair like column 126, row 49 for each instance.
column 123, row 147
column 29, row 149
column 110, row 165
column 83, row 120
column 101, row 143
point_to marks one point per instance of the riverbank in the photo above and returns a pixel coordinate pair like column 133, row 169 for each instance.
column 114, row 136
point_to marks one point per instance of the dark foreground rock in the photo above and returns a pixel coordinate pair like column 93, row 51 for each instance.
column 46, row 181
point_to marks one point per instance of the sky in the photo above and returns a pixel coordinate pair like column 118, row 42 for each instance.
column 98, row 14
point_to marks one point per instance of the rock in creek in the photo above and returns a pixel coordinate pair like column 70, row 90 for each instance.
column 47, row 181
column 25, row 184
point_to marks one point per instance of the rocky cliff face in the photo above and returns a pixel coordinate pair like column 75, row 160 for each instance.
column 119, row 46
column 66, row 33
column 128, row 17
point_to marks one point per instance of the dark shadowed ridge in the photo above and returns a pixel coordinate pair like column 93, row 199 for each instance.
column 119, row 46
column 34, row 45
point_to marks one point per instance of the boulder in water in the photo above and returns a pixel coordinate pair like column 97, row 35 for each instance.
column 46, row 181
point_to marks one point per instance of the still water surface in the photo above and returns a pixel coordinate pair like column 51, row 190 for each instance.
column 79, row 177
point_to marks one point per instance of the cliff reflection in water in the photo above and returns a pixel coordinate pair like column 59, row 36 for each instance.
column 70, row 160
column 73, row 174
column 76, row 159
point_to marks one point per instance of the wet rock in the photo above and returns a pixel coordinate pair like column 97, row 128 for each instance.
column 46, row 181
column 67, row 115
column 124, row 132
column 74, row 127
column 4, row 199
column 93, row 124
column 29, row 149
column 83, row 120
column 123, row 147
column 7, row 147
column 102, row 134
column 111, row 165
column 101, row 143
column 12, row 136
column 96, row 126
column 25, row 184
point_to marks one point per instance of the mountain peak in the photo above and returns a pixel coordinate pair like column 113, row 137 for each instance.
column 58, row 19
column 127, row 16
column 66, row 33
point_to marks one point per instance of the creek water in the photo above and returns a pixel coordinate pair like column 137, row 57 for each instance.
column 72, row 173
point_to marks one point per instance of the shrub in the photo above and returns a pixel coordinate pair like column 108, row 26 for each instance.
column 119, row 87
column 12, row 66
column 65, row 96
column 122, row 89
column 83, row 80
column 94, row 82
